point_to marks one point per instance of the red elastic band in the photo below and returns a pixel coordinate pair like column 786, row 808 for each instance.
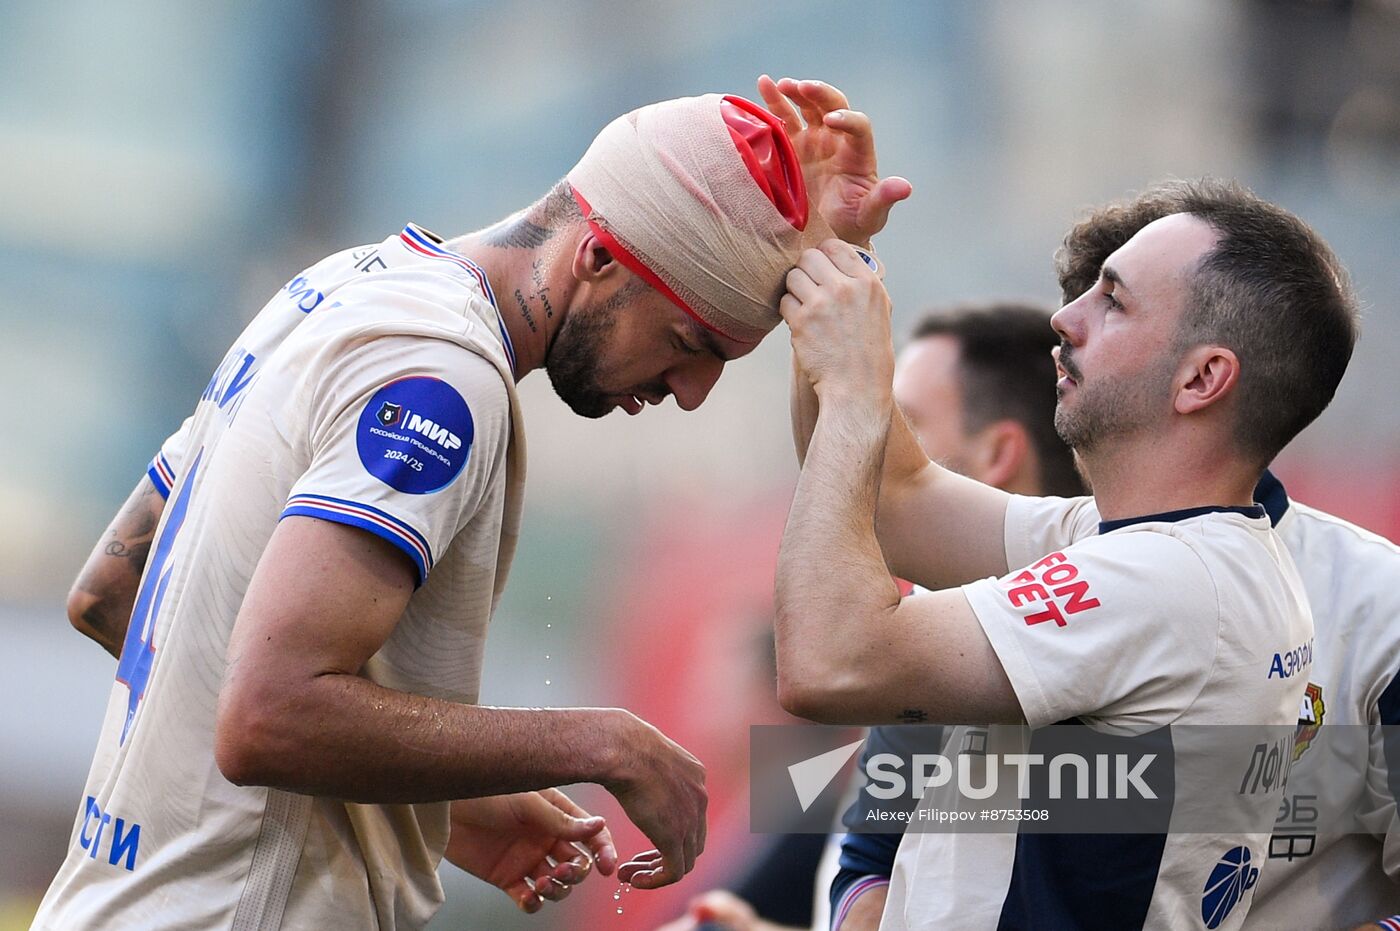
column 634, row 265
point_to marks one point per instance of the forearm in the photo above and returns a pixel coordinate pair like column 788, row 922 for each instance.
column 100, row 602
column 907, row 478
column 346, row 737
column 937, row 528
column 832, row 583
column 803, row 410
column 904, row 466
column 904, row 458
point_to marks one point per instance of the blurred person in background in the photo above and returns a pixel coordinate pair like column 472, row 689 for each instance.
column 1210, row 338
column 301, row 585
column 976, row 383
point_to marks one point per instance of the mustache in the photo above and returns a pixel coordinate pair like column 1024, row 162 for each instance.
column 1067, row 362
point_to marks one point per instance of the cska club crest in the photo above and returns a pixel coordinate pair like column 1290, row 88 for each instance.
column 1310, row 712
column 389, row 414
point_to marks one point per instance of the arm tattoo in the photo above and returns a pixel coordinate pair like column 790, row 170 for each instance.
column 120, row 550
column 913, row 716
column 109, row 581
column 134, row 541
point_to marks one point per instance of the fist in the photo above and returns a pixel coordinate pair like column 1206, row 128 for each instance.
column 839, row 314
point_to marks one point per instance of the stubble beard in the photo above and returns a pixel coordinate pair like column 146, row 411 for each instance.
column 1113, row 407
column 575, row 358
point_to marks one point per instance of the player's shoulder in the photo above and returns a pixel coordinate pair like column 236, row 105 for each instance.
column 1224, row 537
column 1359, row 543
column 395, row 375
column 1145, row 565
column 413, row 287
column 408, row 354
column 1349, row 571
column 1035, row 524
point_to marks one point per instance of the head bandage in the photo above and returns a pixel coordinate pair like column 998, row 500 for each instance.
column 702, row 197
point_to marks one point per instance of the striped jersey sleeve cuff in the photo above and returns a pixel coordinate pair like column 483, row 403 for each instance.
column 848, row 898
column 1390, row 924
column 162, row 475
column 368, row 518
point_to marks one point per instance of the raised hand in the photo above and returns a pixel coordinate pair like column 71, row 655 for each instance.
column 836, row 147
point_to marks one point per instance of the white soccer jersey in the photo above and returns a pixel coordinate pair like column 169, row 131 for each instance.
column 1127, row 627
column 1334, row 859
column 376, row 390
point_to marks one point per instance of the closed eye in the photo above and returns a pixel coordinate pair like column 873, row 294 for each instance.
column 685, row 347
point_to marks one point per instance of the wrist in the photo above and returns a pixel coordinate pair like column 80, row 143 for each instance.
column 866, row 251
column 867, row 396
column 610, row 760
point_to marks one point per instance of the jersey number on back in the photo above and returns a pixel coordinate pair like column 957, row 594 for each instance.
column 139, row 648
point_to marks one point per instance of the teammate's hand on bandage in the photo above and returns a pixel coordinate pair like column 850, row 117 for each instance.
column 533, row 846
column 839, row 315
column 836, row 146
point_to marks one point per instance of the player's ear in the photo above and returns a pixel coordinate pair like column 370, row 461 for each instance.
column 1206, row 376
column 592, row 259
column 999, row 453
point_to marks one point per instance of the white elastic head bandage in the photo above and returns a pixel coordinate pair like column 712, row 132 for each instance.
column 704, row 198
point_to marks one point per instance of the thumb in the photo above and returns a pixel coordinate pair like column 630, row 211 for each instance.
column 570, row 828
column 543, row 814
column 875, row 208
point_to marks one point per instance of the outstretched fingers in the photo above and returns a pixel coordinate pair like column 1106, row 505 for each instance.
column 779, row 105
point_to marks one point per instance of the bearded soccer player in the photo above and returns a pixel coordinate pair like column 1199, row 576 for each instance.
column 1334, row 858
column 1210, row 338
column 292, row 740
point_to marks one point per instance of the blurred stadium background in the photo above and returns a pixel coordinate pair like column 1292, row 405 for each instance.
column 165, row 166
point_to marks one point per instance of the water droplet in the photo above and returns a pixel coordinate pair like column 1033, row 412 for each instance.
column 617, row 895
column 619, row 909
column 549, row 625
column 548, row 597
column 546, row 656
column 626, row 887
column 546, row 682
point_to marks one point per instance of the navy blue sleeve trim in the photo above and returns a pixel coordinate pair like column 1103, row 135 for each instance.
column 162, row 475
column 377, row 522
column 848, row 886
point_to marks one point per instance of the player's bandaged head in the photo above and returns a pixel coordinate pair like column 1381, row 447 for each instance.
column 703, row 198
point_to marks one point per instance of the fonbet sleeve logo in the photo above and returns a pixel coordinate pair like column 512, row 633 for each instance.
column 415, row 434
